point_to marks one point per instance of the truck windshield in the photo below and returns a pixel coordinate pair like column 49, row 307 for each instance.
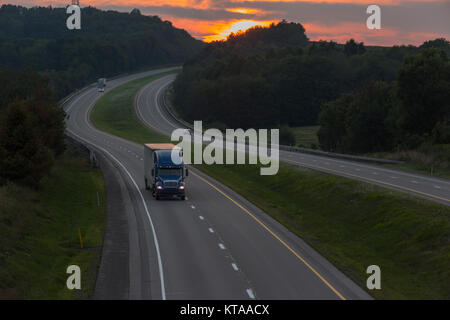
column 169, row 172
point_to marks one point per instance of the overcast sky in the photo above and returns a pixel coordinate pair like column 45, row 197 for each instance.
column 402, row 22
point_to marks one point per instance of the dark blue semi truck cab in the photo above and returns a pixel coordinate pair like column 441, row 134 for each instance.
column 165, row 172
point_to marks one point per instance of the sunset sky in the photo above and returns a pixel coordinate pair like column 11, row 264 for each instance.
column 402, row 22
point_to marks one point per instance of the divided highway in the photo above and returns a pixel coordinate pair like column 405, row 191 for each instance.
column 152, row 111
column 214, row 245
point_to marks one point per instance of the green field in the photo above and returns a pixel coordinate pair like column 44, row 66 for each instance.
column 39, row 232
column 114, row 112
column 306, row 136
column 352, row 224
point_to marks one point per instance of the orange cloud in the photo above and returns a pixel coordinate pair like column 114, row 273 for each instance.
column 384, row 37
column 211, row 20
column 234, row 27
column 209, row 4
column 362, row 2
column 215, row 30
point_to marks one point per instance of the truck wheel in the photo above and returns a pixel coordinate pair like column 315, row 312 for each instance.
column 183, row 198
column 146, row 185
column 157, row 197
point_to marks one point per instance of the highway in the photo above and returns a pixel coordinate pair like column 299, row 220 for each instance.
column 152, row 111
column 214, row 245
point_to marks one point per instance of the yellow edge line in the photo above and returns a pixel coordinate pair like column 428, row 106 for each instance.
column 275, row 236
column 368, row 179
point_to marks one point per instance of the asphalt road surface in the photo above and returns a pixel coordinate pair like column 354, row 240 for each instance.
column 151, row 109
column 214, row 245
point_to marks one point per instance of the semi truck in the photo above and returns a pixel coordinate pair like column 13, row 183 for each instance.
column 101, row 84
column 164, row 176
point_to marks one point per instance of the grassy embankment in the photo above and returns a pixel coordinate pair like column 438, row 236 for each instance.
column 353, row 224
column 39, row 232
column 114, row 112
column 427, row 159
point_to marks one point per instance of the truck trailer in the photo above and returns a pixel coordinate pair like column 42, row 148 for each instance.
column 163, row 176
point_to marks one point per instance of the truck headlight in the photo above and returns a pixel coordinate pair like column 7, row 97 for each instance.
column 181, row 187
column 159, row 187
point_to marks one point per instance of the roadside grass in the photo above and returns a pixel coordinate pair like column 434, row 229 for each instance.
column 431, row 160
column 39, row 232
column 353, row 224
column 114, row 112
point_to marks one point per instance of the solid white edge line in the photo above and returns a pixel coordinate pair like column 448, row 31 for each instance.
column 250, row 294
column 155, row 239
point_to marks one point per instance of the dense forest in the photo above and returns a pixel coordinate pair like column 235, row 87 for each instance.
column 31, row 127
column 275, row 77
column 407, row 113
column 41, row 61
column 109, row 43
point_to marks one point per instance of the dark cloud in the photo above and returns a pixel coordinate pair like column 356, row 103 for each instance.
column 187, row 13
column 423, row 17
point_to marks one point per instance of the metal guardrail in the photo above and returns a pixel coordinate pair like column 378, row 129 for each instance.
column 82, row 147
column 169, row 109
column 282, row 147
column 338, row 155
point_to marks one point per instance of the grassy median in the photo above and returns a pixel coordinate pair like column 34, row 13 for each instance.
column 353, row 224
column 39, row 232
column 114, row 112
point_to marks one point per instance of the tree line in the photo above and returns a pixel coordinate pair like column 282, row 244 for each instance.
column 31, row 127
column 409, row 112
column 109, row 43
column 275, row 77
column 41, row 61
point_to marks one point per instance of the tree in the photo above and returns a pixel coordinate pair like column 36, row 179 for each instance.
column 333, row 126
column 357, row 123
column 423, row 89
column 24, row 157
column 436, row 43
column 287, row 136
column 352, row 47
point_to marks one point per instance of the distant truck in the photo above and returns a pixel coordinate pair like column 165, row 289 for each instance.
column 101, row 84
column 163, row 176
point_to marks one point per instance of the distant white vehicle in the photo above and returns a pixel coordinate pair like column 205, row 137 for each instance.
column 101, row 84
